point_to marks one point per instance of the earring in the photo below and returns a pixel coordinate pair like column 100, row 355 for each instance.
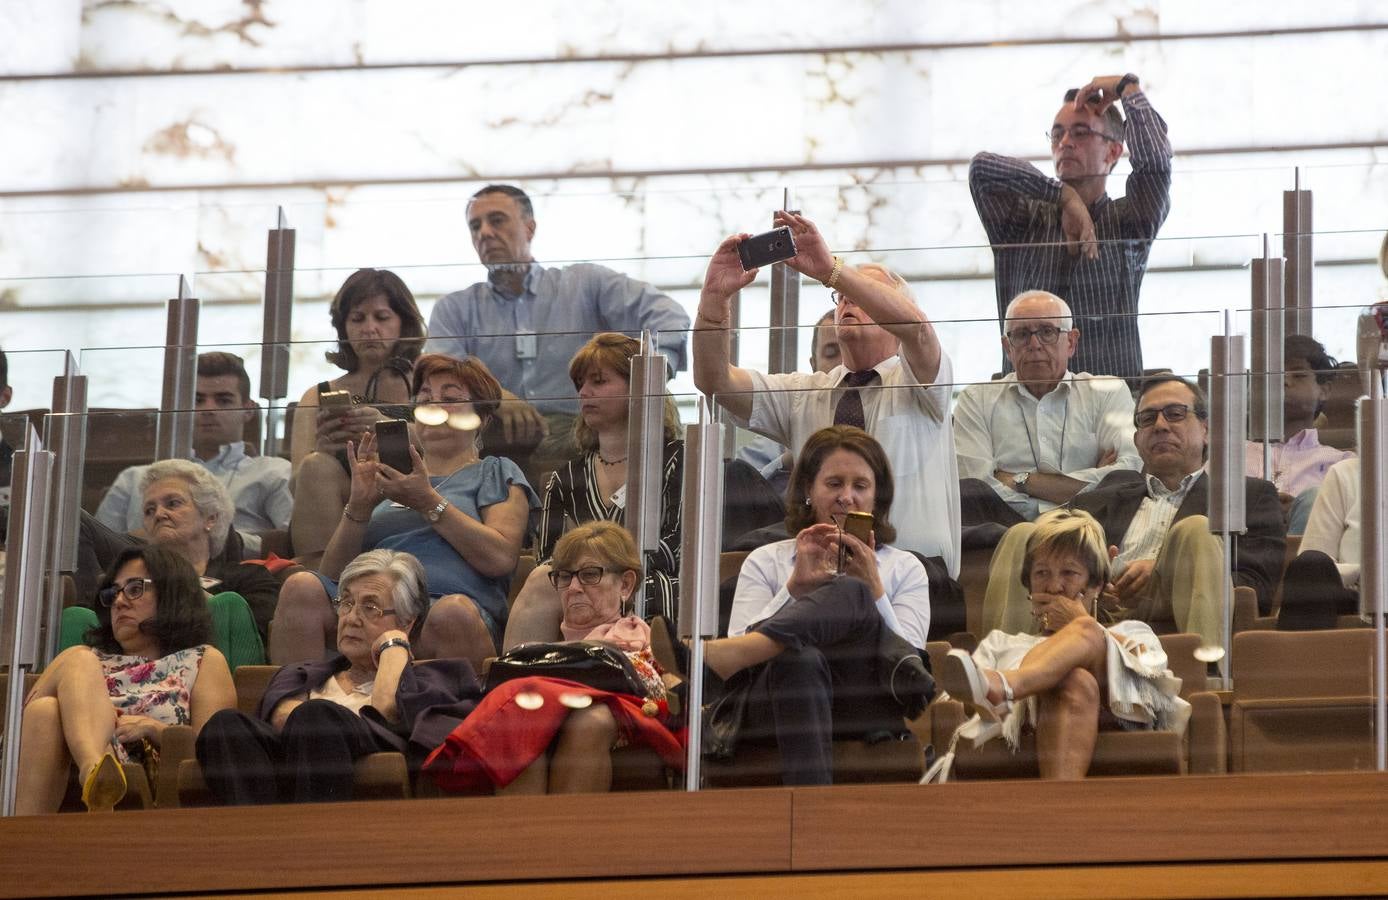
column 807, row 501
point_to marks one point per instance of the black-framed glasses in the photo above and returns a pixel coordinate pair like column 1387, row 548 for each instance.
column 1171, row 412
column 562, row 578
column 133, row 589
column 343, row 606
column 1018, row 337
column 1078, row 133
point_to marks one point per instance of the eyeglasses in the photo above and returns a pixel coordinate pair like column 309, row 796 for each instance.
column 1078, row 133
column 562, row 578
column 133, row 589
column 1172, row 412
column 1018, row 337
column 343, row 606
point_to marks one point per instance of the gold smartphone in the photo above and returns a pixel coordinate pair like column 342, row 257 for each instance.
column 860, row 525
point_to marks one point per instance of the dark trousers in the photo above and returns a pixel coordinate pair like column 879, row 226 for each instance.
column 979, row 504
column 1313, row 594
column 245, row 761
column 824, row 685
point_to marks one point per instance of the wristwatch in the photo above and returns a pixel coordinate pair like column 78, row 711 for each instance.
column 436, row 513
column 1123, row 83
column 1019, row 481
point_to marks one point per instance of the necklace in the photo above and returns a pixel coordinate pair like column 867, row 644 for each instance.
column 1034, row 445
column 611, row 462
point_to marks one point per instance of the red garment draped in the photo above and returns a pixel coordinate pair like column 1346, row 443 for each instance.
column 499, row 738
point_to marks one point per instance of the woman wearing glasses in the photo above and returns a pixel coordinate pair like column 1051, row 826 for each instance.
column 317, row 718
column 148, row 666
column 593, row 487
column 804, row 643
column 462, row 516
column 537, row 735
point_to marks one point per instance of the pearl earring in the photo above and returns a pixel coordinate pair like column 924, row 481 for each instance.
column 807, row 501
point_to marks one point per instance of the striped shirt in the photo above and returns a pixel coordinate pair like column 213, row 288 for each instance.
column 1020, row 210
column 1152, row 521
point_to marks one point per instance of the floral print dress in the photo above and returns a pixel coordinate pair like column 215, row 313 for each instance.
column 159, row 688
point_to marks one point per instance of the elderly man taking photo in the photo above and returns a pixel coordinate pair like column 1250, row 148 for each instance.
column 1065, row 234
column 1042, row 434
column 894, row 382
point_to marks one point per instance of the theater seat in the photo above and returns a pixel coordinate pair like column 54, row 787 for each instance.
column 525, row 564
column 1201, row 750
column 1302, row 701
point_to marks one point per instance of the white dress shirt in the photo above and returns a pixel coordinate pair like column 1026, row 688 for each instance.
column 909, row 420
column 1002, row 425
column 761, row 590
column 1333, row 527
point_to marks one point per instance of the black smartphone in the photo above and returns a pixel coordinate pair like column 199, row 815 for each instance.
column 763, row 249
column 393, row 444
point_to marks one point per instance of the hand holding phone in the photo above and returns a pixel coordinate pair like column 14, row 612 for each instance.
column 766, row 248
column 860, row 525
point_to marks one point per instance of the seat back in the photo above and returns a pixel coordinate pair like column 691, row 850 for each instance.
column 251, row 682
column 524, row 566
column 1284, row 664
column 1302, row 701
column 1180, row 659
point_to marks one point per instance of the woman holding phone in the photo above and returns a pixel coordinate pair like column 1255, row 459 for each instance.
column 462, row 516
column 379, row 334
column 814, row 617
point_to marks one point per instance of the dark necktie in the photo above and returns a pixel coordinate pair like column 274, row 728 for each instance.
column 850, row 408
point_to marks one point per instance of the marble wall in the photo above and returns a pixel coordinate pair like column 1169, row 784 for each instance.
column 163, row 137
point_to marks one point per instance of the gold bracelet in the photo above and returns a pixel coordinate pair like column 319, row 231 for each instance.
column 833, row 278
column 718, row 322
column 347, row 514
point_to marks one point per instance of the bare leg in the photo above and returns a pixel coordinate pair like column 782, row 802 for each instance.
column 304, row 626
column 582, row 762
column 321, row 489
column 728, row 656
column 537, row 612
column 68, row 718
column 533, row 780
column 1079, row 645
column 1067, row 727
column 455, row 629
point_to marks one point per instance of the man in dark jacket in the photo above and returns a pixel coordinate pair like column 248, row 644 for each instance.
column 1167, row 564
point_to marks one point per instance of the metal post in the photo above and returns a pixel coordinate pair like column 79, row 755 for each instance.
column 645, row 432
column 785, row 312
column 174, row 433
column 1297, row 249
column 700, row 544
column 1373, row 549
column 65, row 432
column 734, row 328
column 1268, row 333
column 24, row 568
column 278, row 314
column 1228, row 405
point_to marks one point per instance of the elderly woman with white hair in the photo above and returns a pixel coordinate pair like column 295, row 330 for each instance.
column 317, row 718
column 188, row 510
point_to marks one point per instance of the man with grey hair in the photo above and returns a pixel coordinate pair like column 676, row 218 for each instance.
column 1042, row 434
column 1065, row 234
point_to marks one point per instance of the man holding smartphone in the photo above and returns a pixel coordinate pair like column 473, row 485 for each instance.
column 893, row 382
column 527, row 321
column 1065, row 234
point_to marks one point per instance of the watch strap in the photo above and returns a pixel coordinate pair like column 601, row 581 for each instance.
column 1123, row 83
column 436, row 513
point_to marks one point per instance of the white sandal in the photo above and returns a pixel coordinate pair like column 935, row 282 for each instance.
column 966, row 683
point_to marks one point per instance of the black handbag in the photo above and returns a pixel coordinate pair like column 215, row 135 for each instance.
column 590, row 663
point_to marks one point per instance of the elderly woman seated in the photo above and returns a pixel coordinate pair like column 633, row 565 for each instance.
column 536, row 734
column 187, row 510
column 317, row 718
column 1076, row 677
column 147, row 665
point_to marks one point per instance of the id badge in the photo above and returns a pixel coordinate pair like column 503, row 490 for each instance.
column 525, row 345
